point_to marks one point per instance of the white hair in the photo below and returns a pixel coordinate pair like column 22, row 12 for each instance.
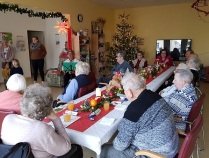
column 185, row 75
column 16, row 83
column 182, row 66
column 82, row 68
column 133, row 81
column 193, row 62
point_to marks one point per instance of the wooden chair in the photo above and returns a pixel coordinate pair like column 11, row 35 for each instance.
column 4, row 113
column 187, row 146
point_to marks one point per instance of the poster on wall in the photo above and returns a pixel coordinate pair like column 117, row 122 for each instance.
column 6, row 49
column 20, row 44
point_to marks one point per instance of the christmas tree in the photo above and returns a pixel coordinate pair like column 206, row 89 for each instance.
column 123, row 40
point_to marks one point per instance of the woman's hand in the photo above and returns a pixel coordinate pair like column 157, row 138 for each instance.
column 52, row 115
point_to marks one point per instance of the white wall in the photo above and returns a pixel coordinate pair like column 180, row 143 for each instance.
column 19, row 24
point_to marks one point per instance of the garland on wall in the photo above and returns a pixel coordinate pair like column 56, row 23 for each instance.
column 31, row 13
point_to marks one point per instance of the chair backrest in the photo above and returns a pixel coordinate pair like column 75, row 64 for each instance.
column 19, row 150
column 190, row 140
column 86, row 89
column 196, row 108
column 4, row 113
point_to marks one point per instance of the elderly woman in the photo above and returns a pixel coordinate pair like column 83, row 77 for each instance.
column 139, row 62
column 194, row 64
column 146, row 125
column 81, row 79
column 45, row 141
column 182, row 99
column 164, row 58
column 10, row 99
column 170, row 89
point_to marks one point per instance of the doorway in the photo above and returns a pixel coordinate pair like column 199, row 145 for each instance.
column 40, row 35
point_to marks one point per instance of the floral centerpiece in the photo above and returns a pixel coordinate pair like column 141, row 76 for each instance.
column 113, row 88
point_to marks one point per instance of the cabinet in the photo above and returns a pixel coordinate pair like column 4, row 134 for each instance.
column 84, row 43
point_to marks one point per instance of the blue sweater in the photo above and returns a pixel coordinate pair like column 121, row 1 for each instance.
column 71, row 92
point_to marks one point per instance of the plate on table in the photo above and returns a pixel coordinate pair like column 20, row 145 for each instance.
column 66, row 124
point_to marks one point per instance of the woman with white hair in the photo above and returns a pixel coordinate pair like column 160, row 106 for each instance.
column 194, row 65
column 170, row 89
column 71, row 91
column 182, row 99
column 146, row 125
column 45, row 141
column 10, row 98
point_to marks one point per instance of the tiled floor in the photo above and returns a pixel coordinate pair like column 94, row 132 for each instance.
column 204, row 88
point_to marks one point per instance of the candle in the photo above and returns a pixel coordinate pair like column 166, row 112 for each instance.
column 98, row 92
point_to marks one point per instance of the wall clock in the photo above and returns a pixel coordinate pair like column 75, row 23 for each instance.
column 80, row 17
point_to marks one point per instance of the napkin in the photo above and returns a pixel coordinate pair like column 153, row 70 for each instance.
column 66, row 124
column 107, row 121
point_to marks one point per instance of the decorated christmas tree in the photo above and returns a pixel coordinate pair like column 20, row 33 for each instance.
column 124, row 40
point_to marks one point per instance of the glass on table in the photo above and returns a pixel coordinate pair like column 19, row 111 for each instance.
column 67, row 116
column 106, row 105
column 70, row 106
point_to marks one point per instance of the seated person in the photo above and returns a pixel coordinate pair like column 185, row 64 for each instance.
column 121, row 67
column 81, row 79
column 164, row 58
column 10, row 99
column 139, row 62
column 147, row 123
column 168, row 86
column 16, row 68
column 182, row 99
column 188, row 53
column 175, row 54
column 68, row 66
column 194, row 64
column 45, row 141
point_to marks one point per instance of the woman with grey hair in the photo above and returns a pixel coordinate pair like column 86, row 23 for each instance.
column 71, row 91
column 148, row 116
column 182, row 99
column 45, row 141
column 194, row 64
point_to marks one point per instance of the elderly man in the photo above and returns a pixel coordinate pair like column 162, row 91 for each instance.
column 182, row 99
column 146, row 125
column 121, row 67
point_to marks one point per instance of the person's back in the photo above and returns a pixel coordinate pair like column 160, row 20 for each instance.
column 10, row 100
column 154, row 130
column 39, row 135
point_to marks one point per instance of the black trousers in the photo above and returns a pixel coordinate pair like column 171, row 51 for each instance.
column 75, row 152
column 38, row 65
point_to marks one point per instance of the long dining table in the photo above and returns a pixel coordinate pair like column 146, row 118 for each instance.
column 98, row 134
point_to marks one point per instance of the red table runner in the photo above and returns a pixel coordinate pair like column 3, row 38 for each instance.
column 84, row 122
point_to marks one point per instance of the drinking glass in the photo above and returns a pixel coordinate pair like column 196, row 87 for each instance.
column 67, row 116
column 106, row 105
column 70, row 106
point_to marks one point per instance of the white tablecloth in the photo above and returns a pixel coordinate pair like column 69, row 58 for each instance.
column 98, row 134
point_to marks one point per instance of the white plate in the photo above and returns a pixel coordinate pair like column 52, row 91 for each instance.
column 66, row 124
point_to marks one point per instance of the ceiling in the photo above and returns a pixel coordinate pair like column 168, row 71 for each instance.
column 119, row 4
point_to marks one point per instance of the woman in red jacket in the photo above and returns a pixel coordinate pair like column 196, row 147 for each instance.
column 164, row 58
